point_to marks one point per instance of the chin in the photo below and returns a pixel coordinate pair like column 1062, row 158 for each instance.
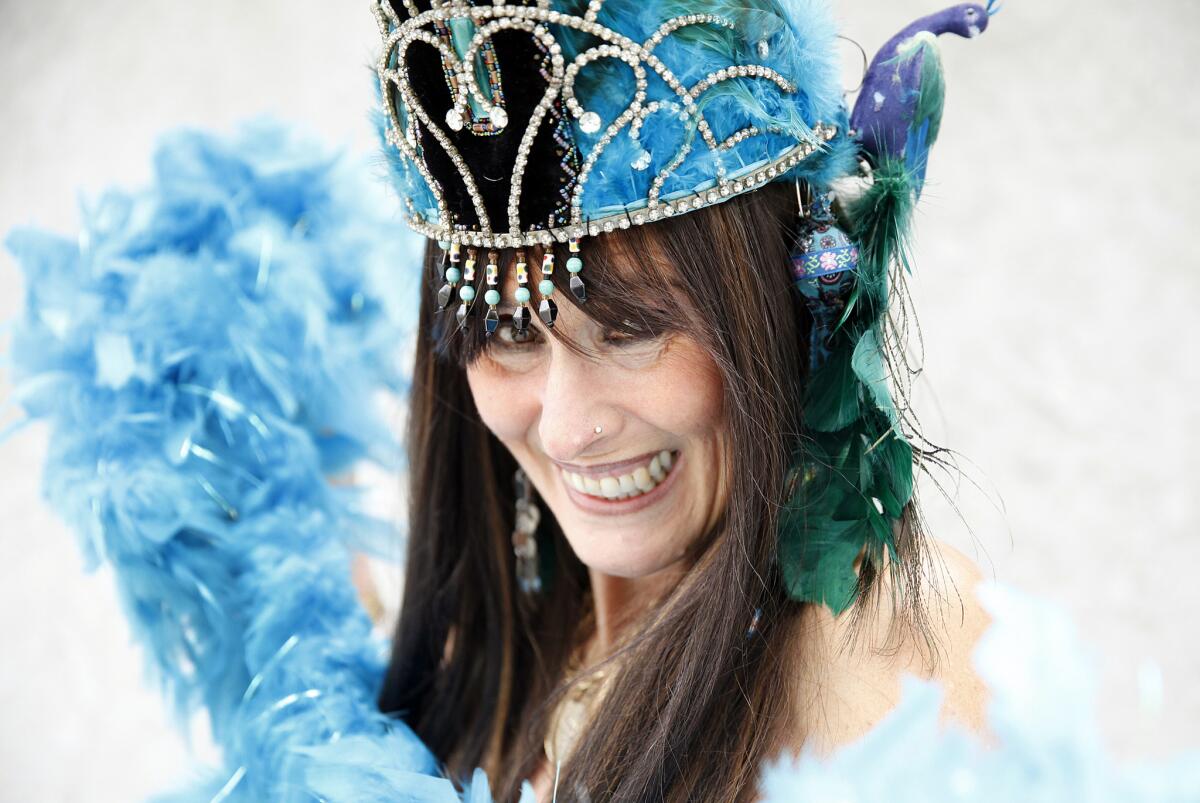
column 631, row 554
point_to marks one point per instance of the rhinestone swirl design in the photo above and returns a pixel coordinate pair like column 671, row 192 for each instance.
column 403, row 111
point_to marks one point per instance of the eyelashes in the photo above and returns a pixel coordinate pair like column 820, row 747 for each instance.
column 505, row 335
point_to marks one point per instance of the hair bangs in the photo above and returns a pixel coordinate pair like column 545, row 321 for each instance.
column 632, row 288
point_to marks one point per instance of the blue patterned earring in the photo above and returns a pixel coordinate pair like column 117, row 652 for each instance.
column 824, row 268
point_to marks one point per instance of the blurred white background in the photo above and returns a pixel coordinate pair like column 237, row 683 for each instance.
column 1056, row 284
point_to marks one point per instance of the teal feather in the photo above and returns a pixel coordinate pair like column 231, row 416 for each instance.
column 833, row 401
column 854, row 475
column 881, row 227
column 931, row 98
column 869, row 370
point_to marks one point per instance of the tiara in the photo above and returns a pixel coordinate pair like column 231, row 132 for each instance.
column 448, row 75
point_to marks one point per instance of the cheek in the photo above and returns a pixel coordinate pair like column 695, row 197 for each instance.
column 683, row 395
column 506, row 407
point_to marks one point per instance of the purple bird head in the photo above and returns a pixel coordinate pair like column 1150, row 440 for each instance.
column 968, row 20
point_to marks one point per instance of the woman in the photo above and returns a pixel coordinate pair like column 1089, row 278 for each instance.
column 725, row 559
column 711, row 552
column 203, row 351
column 657, row 589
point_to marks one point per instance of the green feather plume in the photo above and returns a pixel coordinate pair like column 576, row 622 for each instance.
column 854, row 472
column 932, row 98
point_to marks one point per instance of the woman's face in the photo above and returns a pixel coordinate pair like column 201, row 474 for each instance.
column 624, row 442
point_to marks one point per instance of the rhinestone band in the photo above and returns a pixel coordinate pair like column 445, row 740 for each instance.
column 648, row 213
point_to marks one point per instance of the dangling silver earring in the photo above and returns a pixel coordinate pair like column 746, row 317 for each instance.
column 524, row 537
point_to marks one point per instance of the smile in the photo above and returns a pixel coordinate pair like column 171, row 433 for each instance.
column 635, row 481
column 622, row 487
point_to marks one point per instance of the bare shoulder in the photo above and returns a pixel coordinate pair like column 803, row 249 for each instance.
column 848, row 668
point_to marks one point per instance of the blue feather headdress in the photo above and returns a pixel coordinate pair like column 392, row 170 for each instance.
column 515, row 125
column 526, row 124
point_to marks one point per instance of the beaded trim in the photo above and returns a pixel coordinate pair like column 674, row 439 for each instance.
column 398, row 35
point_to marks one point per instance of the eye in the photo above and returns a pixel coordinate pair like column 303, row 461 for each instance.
column 631, row 335
column 972, row 13
column 619, row 338
column 506, row 335
column 635, row 342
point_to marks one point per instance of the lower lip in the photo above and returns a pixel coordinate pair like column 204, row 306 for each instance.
column 621, row 507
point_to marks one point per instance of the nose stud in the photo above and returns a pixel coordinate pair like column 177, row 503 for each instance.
column 599, row 429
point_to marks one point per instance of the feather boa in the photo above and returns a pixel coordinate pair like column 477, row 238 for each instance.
column 202, row 353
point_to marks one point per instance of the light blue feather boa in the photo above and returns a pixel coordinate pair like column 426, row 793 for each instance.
column 203, row 352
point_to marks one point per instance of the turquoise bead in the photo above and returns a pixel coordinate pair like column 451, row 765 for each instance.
column 467, row 293
column 545, row 287
column 574, row 264
column 444, row 245
column 522, row 294
column 492, row 297
column 453, row 275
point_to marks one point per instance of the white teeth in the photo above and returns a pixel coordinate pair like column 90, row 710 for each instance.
column 656, row 469
column 624, row 486
column 610, row 487
column 641, row 478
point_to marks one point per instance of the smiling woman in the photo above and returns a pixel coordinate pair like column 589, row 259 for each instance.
column 662, row 513
column 661, row 486
column 657, row 423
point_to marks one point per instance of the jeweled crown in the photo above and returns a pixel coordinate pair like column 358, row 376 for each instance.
column 513, row 125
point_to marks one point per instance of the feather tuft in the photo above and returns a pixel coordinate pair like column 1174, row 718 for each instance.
column 202, row 351
column 855, row 473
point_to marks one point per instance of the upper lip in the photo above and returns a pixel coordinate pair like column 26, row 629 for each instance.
column 604, row 469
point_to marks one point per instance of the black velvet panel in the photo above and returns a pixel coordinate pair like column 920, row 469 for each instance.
column 553, row 161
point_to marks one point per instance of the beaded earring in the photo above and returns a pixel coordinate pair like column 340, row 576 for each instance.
column 524, row 535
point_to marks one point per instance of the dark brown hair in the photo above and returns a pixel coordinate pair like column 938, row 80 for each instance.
column 696, row 705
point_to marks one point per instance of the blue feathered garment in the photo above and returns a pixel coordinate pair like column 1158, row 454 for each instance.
column 202, row 353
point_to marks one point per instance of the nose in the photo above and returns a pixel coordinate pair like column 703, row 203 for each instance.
column 576, row 400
